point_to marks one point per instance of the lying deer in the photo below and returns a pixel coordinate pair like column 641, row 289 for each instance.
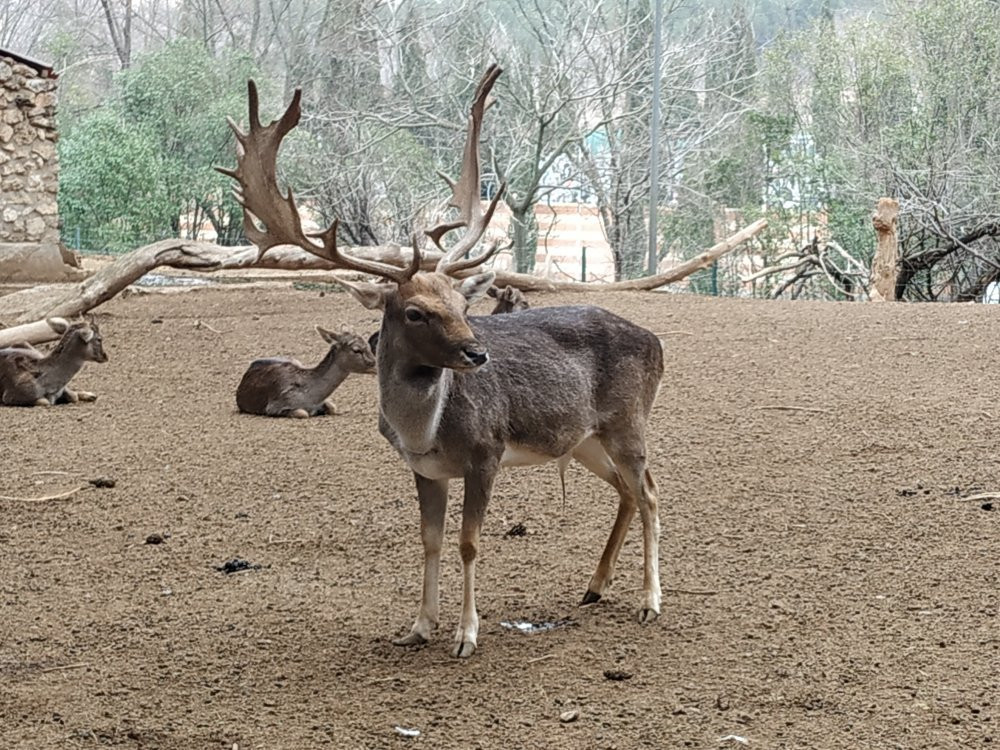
column 461, row 397
column 30, row 378
column 284, row 387
column 509, row 299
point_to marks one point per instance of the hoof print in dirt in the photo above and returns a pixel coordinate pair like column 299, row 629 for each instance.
column 517, row 529
column 102, row 482
column 617, row 676
column 236, row 565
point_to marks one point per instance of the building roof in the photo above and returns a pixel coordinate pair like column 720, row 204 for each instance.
column 44, row 68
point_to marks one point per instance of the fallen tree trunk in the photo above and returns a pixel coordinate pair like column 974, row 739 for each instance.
column 28, row 333
column 70, row 301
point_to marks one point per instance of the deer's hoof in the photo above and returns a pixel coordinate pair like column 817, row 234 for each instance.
column 412, row 639
column 463, row 649
column 591, row 597
column 647, row 615
column 86, row 396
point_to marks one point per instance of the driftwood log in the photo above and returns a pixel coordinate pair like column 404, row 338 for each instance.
column 33, row 306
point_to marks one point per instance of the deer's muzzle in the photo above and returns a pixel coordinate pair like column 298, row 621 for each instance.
column 475, row 354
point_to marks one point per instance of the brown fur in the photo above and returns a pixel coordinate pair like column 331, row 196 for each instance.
column 460, row 397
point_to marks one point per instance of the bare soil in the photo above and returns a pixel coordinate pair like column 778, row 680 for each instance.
column 828, row 583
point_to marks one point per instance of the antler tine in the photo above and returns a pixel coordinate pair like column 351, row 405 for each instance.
column 270, row 218
column 465, row 192
column 478, row 260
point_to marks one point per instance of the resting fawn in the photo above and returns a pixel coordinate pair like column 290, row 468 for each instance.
column 283, row 387
column 30, row 378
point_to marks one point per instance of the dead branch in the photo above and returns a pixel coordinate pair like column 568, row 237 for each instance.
column 44, row 498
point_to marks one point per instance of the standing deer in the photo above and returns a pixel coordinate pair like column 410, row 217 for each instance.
column 284, row 387
column 461, row 397
column 509, row 299
column 30, row 378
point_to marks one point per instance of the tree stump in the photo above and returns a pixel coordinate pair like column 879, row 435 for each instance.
column 885, row 265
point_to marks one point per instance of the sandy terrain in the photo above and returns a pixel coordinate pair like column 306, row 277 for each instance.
column 828, row 584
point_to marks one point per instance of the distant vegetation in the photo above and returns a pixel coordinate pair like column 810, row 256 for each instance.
column 805, row 111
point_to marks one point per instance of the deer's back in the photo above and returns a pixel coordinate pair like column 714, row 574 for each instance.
column 558, row 373
column 18, row 375
column 268, row 384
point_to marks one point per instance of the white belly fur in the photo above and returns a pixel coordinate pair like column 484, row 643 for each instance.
column 433, row 466
column 518, row 455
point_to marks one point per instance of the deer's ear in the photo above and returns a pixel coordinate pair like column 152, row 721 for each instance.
column 59, row 325
column 492, row 292
column 87, row 334
column 328, row 336
column 370, row 295
column 476, row 286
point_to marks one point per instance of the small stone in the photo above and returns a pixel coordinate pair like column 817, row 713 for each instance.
column 155, row 539
column 567, row 717
column 616, row 676
column 102, row 482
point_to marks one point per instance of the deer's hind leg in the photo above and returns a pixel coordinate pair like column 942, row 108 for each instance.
column 595, row 458
column 433, row 498
column 628, row 451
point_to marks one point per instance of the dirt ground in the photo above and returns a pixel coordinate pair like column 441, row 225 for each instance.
column 828, row 582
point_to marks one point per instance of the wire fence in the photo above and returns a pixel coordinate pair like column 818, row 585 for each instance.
column 88, row 241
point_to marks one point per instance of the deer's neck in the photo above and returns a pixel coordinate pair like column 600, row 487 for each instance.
column 326, row 376
column 58, row 368
column 412, row 399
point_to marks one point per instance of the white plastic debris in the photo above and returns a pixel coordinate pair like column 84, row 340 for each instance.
column 404, row 732
column 734, row 738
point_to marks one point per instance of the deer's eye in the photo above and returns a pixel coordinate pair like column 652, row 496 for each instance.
column 414, row 315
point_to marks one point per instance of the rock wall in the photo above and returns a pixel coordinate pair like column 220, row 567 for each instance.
column 29, row 175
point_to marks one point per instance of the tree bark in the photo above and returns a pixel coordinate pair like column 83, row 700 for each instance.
column 885, row 265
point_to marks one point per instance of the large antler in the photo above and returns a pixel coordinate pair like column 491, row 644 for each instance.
column 258, row 193
column 465, row 193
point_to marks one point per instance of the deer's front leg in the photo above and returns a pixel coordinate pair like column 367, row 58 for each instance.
column 433, row 498
column 478, row 488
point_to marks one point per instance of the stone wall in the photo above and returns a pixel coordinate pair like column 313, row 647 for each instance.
column 29, row 175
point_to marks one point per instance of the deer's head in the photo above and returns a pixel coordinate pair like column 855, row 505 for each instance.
column 509, row 299
column 425, row 319
column 353, row 351
column 82, row 339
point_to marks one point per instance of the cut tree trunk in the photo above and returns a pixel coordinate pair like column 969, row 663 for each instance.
column 885, row 265
column 28, row 333
column 73, row 300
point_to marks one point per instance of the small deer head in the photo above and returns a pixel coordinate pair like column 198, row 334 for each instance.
column 353, row 351
column 509, row 299
column 428, row 312
column 82, row 339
